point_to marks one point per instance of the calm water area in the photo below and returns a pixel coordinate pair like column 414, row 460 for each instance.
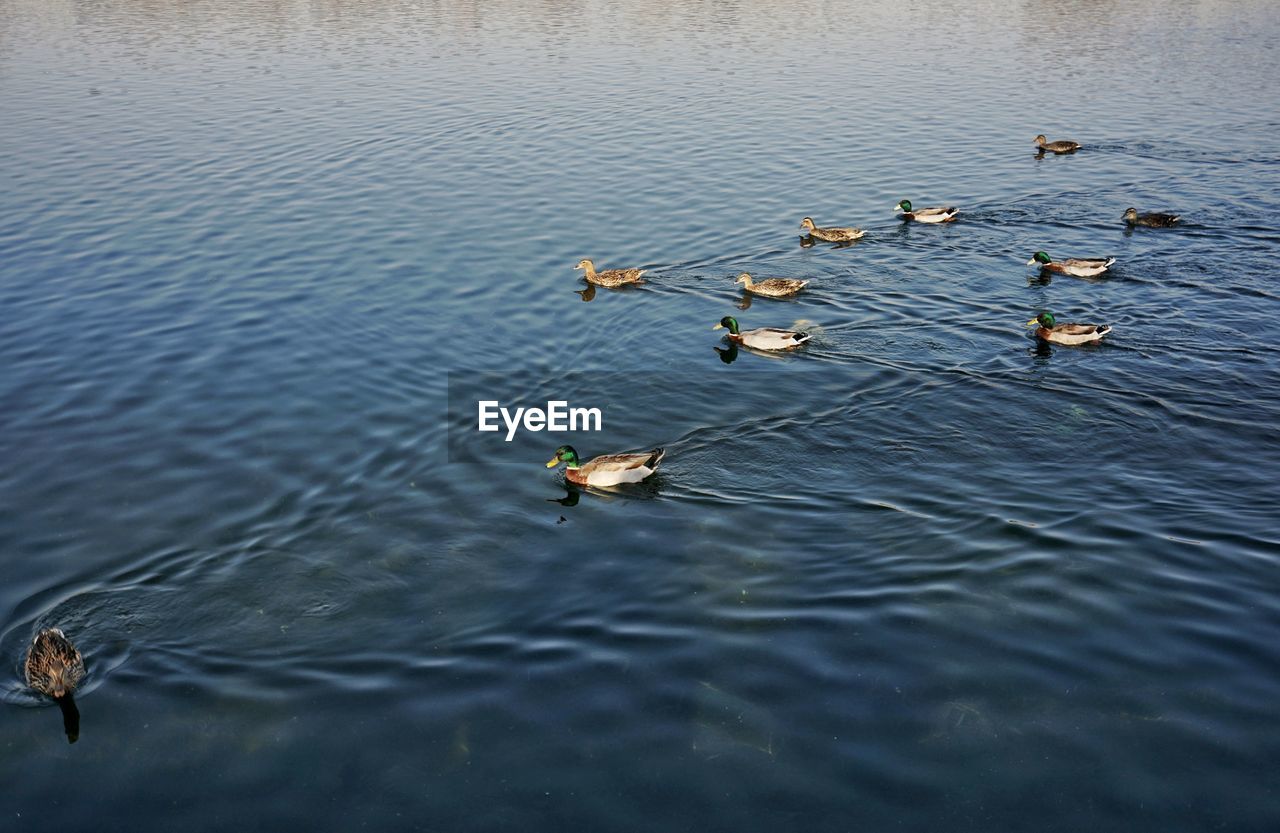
column 258, row 260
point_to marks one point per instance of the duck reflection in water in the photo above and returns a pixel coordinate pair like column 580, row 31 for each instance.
column 587, row 294
column 745, row 301
column 70, row 718
column 729, row 354
column 572, row 495
column 808, row 241
column 647, row 488
column 1042, row 352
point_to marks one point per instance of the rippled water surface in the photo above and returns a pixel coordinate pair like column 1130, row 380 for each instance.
column 258, row 261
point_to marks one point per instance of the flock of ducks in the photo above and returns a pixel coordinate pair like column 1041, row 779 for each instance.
column 54, row 667
column 617, row 469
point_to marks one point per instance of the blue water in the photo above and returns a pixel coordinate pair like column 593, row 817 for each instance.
column 258, row 261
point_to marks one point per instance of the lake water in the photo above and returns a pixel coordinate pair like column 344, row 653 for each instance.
column 258, row 260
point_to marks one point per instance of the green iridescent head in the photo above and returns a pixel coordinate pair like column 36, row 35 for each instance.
column 564, row 454
column 1044, row 319
column 1039, row 257
column 904, row 206
column 728, row 322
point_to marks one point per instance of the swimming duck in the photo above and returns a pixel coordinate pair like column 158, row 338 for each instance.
column 610, row 277
column 761, row 338
column 609, row 469
column 831, row 234
column 1156, row 219
column 54, row 666
column 773, row 287
column 1048, row 329
column 1081, row 268
column 1056, row 147
column 926, row 215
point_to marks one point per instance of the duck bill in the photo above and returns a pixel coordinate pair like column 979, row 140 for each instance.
column 1034, row 322
column 1032, row 262
column 551, row 464
column 718, row 327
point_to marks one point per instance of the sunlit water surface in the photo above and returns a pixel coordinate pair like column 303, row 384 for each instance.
column 922, row 575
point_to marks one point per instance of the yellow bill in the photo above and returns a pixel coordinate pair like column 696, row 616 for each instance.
column 551, row 464
column 1034, row 322
column 718, row 327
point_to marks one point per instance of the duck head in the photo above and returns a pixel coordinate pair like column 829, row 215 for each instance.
column 1039, row 140
column 1130, row 215
column 903, row 207
column 728, row 322
column 58, row 686
column 807, row 224
column 564, row 454
column 1039, row 257
column 1044, row 319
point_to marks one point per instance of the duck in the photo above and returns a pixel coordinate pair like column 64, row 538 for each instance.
column 831, row 234
column 54, row 667
column 1081, row 268
column 926, row 215
column 761, row 338
column 610, row 277
column 1155, row 218
column 772, row 287
column 1048, row 329
column 609, row 469
column 1058, row 147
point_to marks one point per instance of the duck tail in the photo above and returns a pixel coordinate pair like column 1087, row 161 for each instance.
column 1110, row 261
column 655, row 457
column 801, row 338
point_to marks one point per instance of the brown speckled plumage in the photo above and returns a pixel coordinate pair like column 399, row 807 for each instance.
column 610, row 277
column 1059, row 147
column 54, row 666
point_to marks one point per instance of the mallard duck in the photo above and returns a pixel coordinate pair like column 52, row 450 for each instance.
column 54, row 666
column 773, row 287
column 1081, row 268
column 832, row 234
column 761, row 338
column 607, row 470
column 1048, row 329
column 1056, row 147
column 926, row 215
column 1156, row 219
column 610, row 277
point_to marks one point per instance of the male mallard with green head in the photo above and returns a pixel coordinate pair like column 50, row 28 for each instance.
column 831, row 234
column 607, row 470
column 772, row 287
column 926, row 215
column 761, row 338
column 1081, row 268
column 610, row 277
column 1154, row 218
column 54, row 666
column 1048, row 329
column 1058, row 147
